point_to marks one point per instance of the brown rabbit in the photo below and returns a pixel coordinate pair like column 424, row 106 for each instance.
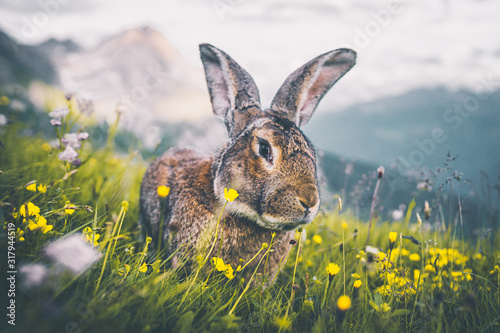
column 268, row 161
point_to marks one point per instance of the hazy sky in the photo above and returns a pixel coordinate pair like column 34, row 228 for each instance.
column 401, row 45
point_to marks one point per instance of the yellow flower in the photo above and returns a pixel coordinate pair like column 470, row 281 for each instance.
column 344, row 303
column 69, row 208
column 355, row 276
column 309, row 263
column 32, row 210
column 414, row 257
column 357, row 283
column 31, row 187
column 229, row 273
column 393, row 236
column 219, row 264
column 42, row 188
column 20, row 235
column 87, row 236
column 282, row 323
column 495, row 269
column 230, row 195
column 125, row 205
column 457, row 275
column 332, row 269
column 385, row 307
column 46, row 146
column 429, row 268
column 344, row 225
column 238, row 268
column 143, row 268
column 381, row 256
column 265, row 245
column 317, row 239
column 163, row 191
column 405, row 252
column 40, row 224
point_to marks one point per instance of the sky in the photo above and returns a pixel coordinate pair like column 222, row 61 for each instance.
column 401, row 44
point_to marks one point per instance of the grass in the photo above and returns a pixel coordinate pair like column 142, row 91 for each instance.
column 435, row 280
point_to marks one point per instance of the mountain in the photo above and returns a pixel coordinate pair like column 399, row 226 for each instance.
column 139, row 73
column 416, row 131
column 23, row 63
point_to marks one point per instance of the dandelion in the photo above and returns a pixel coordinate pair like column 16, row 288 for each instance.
column 332, row 269
column 42, row 188
column 59, row 113
column 414, row 257
column 317, row 239
column 68, row 155
column 163, row 191
column 344, row 303
column 31, row 187
column 357, row 284
column 230, row 194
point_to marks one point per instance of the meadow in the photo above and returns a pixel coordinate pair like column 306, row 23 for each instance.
column 65, row 192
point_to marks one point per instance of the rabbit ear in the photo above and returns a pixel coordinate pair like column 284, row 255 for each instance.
column 301, row 92
column 233, row 92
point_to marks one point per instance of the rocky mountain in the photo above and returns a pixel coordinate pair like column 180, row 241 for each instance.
column 20, row 64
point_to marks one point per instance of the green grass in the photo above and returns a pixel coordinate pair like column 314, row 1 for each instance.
column 458, row 292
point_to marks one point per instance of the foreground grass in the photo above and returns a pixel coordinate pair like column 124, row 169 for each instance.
column 434, row 280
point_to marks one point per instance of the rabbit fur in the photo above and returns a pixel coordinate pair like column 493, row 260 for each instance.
column 268, row 161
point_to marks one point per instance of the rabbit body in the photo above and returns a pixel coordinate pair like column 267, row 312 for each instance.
column 268, row 161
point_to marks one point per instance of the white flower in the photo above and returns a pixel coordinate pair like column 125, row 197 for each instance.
column 59, row 113
column 54, row 144
column 397, row 214
column 3, row 120
column 68, row 155
column 82, row 136
column 423, row 186
column 33, row 275
column 55, row 122
column 71, row 140
column 73, row 252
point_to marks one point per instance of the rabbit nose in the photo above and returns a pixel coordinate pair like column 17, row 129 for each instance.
column 308, row 196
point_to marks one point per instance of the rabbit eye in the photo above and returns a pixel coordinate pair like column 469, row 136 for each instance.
column 265, row 151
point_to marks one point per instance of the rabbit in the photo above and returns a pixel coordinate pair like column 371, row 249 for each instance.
column 268, row 161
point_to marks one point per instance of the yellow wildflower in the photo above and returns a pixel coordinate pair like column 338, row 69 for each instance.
column 405, row 252
column 32, row 210
column 143, row 268
column 230, row 195
column 87, row 236
column 265, row 245
column 69, row 208
column 385, row 307
column 414, row 257
column 125, row 205
column 317, row 239
column 42, row 188
column 381, row 256
column 355, row 276
column 495, row 269
column 332, row 269
column 344, row 303
column 20, row 235
column 40, row 224
column 344, row 225
column 163, row 191
column 357, row 283
column 229, row 273
column 31, row 187
column 393, row 236
column 309, row 263
column 429, row 268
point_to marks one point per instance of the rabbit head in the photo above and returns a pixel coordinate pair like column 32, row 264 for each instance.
column 268, row 160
